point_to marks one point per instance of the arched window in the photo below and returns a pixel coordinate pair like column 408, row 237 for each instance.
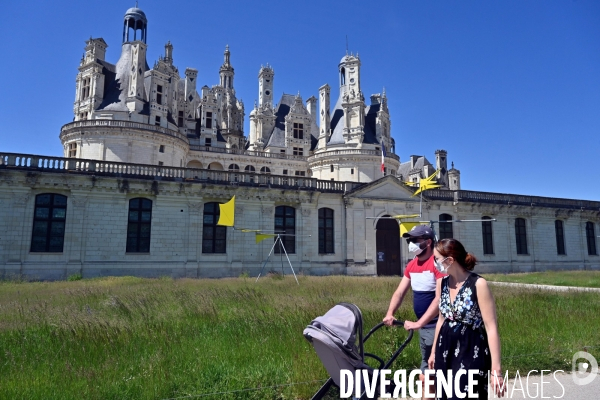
column 342, row 76
column 265, row 170
column 591, row 238
column 445, row 227
column 138, row 225
column 285, row 222
column 560, row 237
column 249, row 168
column 487, row 236
column 49, row 217
column 234, row 168
column 214, row 237
column 326, row 231
column 521, row 236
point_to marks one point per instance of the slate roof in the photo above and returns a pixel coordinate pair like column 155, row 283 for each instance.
column 405, row 168
column 338, row 123
column 277, row 136
column 116, row 82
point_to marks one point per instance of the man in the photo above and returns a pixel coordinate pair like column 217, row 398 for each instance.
column 421, row 275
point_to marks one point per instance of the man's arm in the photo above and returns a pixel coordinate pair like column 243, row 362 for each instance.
column 431, row 313
column 396, row 300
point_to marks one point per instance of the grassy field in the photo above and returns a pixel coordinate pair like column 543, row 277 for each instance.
column 133, row 338
column 559, row 278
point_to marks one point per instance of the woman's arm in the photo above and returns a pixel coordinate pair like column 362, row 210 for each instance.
column 438, row 326
column 487, row 305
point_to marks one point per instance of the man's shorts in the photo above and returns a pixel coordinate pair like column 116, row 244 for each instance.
column 426, row 342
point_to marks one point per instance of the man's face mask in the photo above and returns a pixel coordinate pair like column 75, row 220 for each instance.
column 417, row 248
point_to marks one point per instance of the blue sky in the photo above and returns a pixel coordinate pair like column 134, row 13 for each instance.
column 511, row 89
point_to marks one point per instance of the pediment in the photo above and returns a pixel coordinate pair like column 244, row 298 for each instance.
column 388, row 188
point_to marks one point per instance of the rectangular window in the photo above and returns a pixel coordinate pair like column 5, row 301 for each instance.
column 521, row 236
column 161, row 148
column 49, row 219
column 298, row 151
column 157, row 121
column 138, row 225
column 351, row 171
column 208, row 120
column 180, row 119
column 326, row 231
column 208, row 142
column 331, row 168
column 285, row 223
column 85, row 90
column 159, row 90
column 560, row 237
column 285, row 172
column 591, row 238
column 214, row 237
column 73, row 150
column 446, row 227
column 298, row 131
column 160, row 163
column 282, row 151
column 487, row 236
column 300, row 173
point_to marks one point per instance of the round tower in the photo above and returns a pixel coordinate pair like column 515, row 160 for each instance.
column 135, row 19
column 226, row 71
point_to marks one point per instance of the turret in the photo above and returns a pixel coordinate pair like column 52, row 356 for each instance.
column 454, row 178
column 265, row 86
column 226, row 71
column 135, row 20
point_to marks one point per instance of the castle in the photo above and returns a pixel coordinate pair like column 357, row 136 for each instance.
column 149, row 156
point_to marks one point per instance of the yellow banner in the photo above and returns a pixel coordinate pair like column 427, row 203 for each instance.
column 407, row 226
column 227, row 213
column 262, row 236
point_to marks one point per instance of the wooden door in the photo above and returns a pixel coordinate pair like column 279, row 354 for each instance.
column 388, row 248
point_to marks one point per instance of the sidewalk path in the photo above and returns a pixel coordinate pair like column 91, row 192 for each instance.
column 546, row 287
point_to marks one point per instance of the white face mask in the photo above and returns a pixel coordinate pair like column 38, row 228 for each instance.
column 414, row 248
column 440, row 267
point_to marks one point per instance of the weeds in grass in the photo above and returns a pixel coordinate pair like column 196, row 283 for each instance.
column 74, row 277
column 134, row 338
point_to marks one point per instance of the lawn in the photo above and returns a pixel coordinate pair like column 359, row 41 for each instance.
column 133, row 338
column 559, row 278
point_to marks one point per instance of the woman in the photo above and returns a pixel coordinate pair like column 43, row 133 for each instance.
column 466, row 335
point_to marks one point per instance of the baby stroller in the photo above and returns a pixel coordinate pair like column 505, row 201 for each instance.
column 337, row 337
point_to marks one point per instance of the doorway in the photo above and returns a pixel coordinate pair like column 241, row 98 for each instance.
column 387, row 243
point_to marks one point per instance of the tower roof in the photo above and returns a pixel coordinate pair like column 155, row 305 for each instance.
column 136, row 13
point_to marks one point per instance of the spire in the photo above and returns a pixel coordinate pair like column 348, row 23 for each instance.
column 226, row 62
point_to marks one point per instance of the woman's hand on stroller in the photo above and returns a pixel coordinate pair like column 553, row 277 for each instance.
column 409, row 325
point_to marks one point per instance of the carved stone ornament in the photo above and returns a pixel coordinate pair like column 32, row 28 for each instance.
column 267, row 210
column 305, row 212
column 348, row 202
column 367, row 203
column 79, row 201
column 20, row 200
column 196, row 207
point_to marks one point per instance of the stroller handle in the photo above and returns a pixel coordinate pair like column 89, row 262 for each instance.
column 396, row 322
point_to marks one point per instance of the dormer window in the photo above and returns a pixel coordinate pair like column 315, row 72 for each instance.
column 159, row 93
column 208, row 120
column 298, row 131
column 85, row 89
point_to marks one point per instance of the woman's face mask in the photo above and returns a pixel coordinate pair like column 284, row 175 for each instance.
column 439, row 264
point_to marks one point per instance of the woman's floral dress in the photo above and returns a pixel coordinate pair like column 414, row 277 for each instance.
column 462, row 342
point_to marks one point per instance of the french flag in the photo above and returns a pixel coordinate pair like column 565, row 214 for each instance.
column 382, row 157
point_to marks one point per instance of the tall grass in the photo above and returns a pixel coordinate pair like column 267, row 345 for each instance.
column 559, row 278
column 133, row 338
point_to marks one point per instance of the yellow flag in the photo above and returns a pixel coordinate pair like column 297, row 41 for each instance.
column 407, row 226
column 227, row 213
column 262, row 236
column 426, row 183
column 403, row 216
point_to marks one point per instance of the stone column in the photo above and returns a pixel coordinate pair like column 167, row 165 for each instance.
column 194, row 238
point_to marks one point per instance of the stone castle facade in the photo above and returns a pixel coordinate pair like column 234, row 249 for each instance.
column 149, row 156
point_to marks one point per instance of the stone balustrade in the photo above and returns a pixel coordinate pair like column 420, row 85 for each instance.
column 92, row 123
column 348, row 152
column 96, row 167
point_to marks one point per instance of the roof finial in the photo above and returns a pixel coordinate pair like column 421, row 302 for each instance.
column 136, row 6
column 452, row 164
column 346, row 44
